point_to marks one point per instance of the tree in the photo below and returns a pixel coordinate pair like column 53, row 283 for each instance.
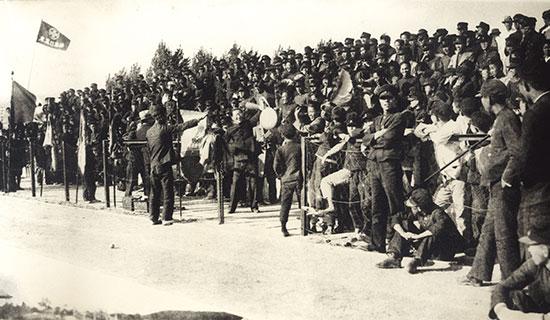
column 135, row 71
column 201, row 58
column 161, row 60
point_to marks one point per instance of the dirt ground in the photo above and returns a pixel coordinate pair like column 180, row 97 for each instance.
column 106, row 260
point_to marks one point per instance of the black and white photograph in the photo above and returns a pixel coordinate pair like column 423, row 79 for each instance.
column 274, row 160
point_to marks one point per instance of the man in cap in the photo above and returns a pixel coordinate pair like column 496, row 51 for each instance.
column 482, row 29
column 365, row 37
column 461, row 55
column 486, row 54
column 526, row 293
column 545, row 30
column 462, row 28
column 428, row 229
column 139, row 161
column 532, row 41
column 163, row 156
column 498, row 239
column 384, row 140
column 93, row 151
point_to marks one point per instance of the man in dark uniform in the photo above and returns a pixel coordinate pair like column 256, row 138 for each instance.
column 138, row 160
column 243, row 150
column 384, row 139
column 163, row 156
column 93, row 148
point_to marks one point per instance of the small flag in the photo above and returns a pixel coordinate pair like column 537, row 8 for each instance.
column 23, row 103
column 51, row 37
column 48, row 137
column 82, row 143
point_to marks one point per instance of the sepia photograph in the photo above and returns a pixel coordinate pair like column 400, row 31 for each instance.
column 275, row 160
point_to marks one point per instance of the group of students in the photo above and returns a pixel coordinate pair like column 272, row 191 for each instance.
column 379, row 119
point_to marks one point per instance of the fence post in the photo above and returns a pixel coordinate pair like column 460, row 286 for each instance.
column 303, row 215
column 105, row 175
column 65, row 178
column 4, row 166
column 33, row 178
column 219, row 193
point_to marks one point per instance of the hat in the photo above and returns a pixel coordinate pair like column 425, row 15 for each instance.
column 507, row 19
column 349, row 40
column 365, row 35
column 441, row 32
column 353, row 120
column 537, row 235
column 493, row 87
column 482, row 25
column 495, row 32
column 462, row 26
column 546, row 14
column 519, row 18
column 419, row 197
column 422, row 31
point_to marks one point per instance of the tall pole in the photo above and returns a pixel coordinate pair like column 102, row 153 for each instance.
column 303, row 215
column 33, row 178
column 219, row 194
column 10, row 130
column 105, row 175
column 4, row 173
column 65, row 178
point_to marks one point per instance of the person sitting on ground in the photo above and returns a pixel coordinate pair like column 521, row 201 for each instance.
column 526, row 293
column 427, row 228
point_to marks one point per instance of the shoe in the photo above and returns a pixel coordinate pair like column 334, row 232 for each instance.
column 470, row 281
column 255, row 210
column 412, row 266
column 285, row 232
column 371, row 247
column 389, row 263
column 157, row 222
column 168, row 222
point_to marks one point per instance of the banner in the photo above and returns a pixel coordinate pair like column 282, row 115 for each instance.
column 23, row 103
column 51, row 37
column 81, row 143
column 191, row 139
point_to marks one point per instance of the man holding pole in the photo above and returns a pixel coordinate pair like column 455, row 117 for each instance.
column 163, row 156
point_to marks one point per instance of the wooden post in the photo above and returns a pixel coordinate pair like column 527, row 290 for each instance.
column 4, row 167
column 77, row 183
column 33, row 178
column 219, row 194
column 114, row 186
column 303, row 215
column 65, row 178
column 105, row 175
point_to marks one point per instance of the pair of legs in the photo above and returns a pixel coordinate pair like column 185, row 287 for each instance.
column 244, row 182
column 386, row 179
column 162, row 183
column 133, row 169
column 450, row 196
column 288, row 189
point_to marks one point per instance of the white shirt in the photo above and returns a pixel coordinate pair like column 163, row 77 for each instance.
column 446, row 150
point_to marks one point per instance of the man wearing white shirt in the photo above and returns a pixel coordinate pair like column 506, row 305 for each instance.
column 450, row 194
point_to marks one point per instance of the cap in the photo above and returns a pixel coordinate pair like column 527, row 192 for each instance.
column 385, row 91
column 495, row 32
column 419, row 197
column 537, row 235
column 365, row 35
column 507, row 19
column 462, row 26
column 493, row 87
column 518, row 18
column 546, row 14
column 482, row 25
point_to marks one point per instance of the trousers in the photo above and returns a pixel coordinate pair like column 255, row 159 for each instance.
column 162, row 183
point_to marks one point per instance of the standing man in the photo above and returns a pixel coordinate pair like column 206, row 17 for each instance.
column 498, row 238
column 384, row 140
column 163, row 156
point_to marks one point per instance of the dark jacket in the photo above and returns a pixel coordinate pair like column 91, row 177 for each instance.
column 505, row 144
column 531, row 163
column 288, row 162
column 159, row 143
column 390, row 145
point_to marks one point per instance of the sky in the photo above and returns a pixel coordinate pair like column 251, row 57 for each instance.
column 107, row 35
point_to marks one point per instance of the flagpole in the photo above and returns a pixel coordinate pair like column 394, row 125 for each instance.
column 32, row 66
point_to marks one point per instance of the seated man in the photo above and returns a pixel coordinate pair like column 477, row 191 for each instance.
column 526, row 293
column 429, row 229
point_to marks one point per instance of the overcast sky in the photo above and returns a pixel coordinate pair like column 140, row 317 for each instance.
column 108, row 35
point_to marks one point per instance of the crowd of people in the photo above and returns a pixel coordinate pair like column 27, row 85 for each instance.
column 396, row 143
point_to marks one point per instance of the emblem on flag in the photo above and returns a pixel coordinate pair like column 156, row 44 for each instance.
column 51, row 37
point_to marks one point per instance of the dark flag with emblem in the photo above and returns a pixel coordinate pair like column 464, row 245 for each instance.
column 23, row 103
column 51, row 37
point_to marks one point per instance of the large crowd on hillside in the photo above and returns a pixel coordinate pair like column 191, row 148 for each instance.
column 381, row 116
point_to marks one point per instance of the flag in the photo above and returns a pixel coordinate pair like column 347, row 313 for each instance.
column 48, row 137
column 51, row 37
column 23, row 103
column 81, row 143
column 191, row 139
